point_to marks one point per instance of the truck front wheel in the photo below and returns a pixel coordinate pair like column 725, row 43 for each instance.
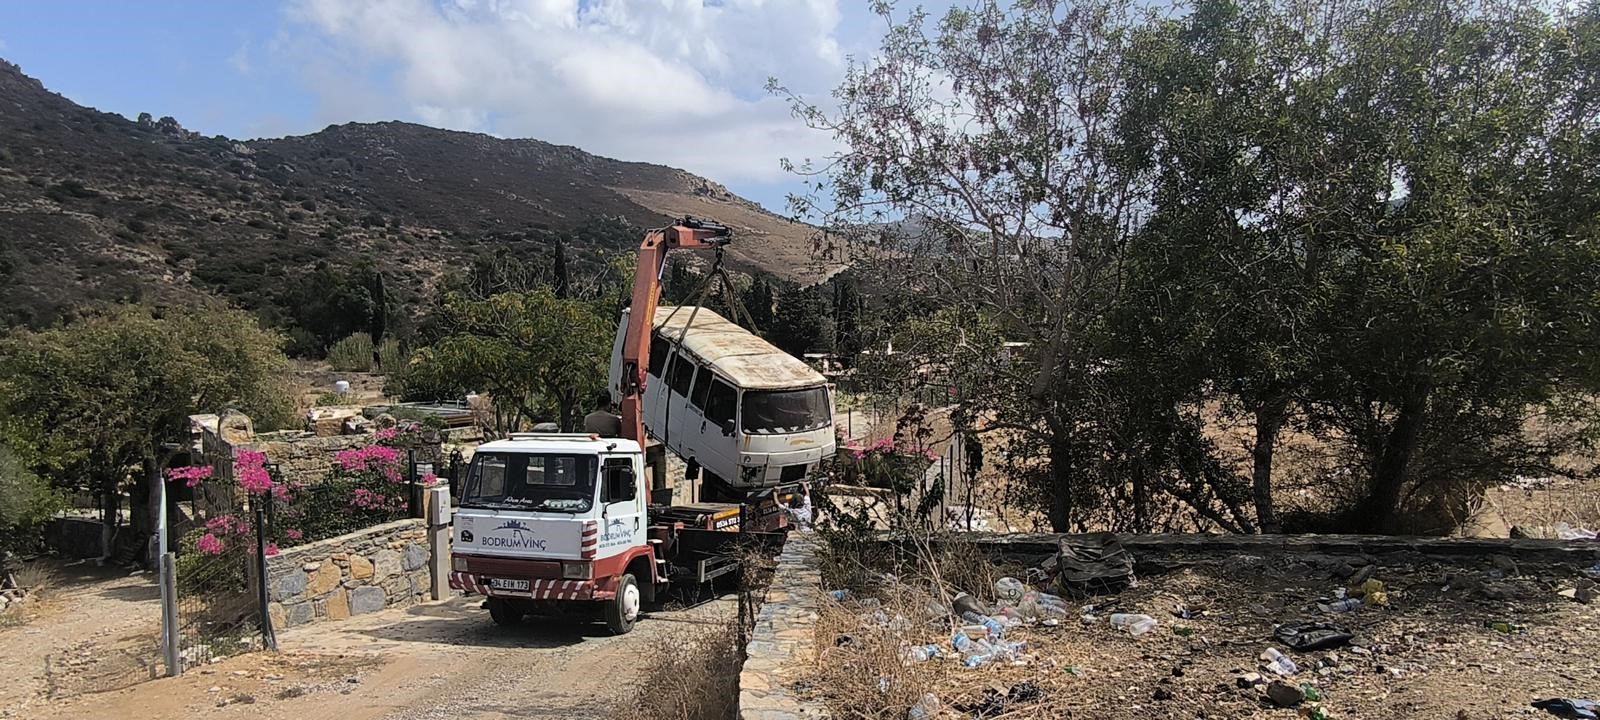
column 623, row 610
column 505, row 612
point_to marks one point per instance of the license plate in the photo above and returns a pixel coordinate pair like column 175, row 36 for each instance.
column 505, row 584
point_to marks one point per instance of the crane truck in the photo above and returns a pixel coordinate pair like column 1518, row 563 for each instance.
column 553, row 521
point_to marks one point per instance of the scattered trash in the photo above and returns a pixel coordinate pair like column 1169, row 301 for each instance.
column 1593, row 571
column 922, row 653
column 1034, row 605
column 996, row 630
column 1314, row 712
column 1372, row 593
column 1136, row 625
column 1008, row 589
column 1283, row 694
column 976, row 632
column 1089, row 566
column 1564, row 531
column 926, row 708
column 1338, row 605
column 965, row 603
column 1311, row 692
column 1249, row 680
column 996, row 702
column 839, row 595
column 1278, row 662
column 1309, row 636
column 1569, row 709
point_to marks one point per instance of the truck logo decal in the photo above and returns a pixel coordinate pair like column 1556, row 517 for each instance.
column 520, row 537
column 616, row 533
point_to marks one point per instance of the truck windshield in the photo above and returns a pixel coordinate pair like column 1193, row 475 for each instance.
column 766, row 412
column 530, row 481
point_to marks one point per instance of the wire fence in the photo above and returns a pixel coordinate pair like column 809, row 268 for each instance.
column 217, row 576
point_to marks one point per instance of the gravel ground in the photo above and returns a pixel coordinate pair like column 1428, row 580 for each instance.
column 436, row 660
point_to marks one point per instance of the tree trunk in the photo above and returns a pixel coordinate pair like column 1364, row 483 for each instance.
column 1060, row 486
column 1379, row 511
column 1269, row 421
column 110, row 507
column 152, row 478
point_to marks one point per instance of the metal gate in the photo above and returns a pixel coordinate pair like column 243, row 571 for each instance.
column 217, row 575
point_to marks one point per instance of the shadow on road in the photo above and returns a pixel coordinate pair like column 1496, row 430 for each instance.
column 461, row 621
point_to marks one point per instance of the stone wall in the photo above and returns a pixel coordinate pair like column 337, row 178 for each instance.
column 74, row 537
column 382, row 566
column 782, row 644
column 303, row 456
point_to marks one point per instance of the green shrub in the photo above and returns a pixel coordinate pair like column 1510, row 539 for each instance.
column 352, row 354
column 391, row 359
column 26, row 504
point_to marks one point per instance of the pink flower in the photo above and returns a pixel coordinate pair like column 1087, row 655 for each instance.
column 294, row 535
column 430, row 479
column 209, row 544
column 191, row 475
column 270, row 550
column 385, row 434
column 220, row 524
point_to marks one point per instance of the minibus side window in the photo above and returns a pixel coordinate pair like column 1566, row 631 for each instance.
column 658, row 354
column 720, row 405
column 682, row 374
column 702, row 384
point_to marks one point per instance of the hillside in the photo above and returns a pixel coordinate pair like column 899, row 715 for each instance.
column 96, row 207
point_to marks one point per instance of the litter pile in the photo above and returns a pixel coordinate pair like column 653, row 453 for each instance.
column 1238, row 636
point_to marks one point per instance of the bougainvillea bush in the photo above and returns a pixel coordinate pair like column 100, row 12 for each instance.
column 366, row 486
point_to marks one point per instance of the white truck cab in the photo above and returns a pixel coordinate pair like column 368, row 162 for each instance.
column 555, row 517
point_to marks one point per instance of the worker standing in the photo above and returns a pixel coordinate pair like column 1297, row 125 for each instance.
column 604, row 421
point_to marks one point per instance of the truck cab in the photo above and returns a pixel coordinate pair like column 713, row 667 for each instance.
column 563, row 521
column 556, row 518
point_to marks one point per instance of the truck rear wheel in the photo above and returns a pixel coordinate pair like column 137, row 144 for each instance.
column 623, row 610
column 505, row 612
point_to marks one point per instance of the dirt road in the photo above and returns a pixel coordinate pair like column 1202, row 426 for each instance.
column 437, row 660
column 95, row 621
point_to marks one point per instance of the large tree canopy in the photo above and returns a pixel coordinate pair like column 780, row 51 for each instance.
column 1369, row 221
column 88, row 401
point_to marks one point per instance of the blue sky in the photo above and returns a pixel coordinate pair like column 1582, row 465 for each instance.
column 677, row 82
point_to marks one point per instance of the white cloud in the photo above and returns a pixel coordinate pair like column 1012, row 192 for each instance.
column 670, row 81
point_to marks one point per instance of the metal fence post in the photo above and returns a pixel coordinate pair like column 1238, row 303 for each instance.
column 169, row 614
column 268, row 637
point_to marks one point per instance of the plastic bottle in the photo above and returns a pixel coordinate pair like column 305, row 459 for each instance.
column 926, row 708
column 922, row 653
column 996, row 629
column 839, row 595
column 1278, row 662
column 1136, row 625
column 961, row 643
column 1340, row 605
column 1052, row 605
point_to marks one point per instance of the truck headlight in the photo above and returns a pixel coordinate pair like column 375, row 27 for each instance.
column 458, row 564
column 577, row 570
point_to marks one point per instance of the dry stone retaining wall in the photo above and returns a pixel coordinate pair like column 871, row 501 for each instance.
column 382, row 566
column 782, row 645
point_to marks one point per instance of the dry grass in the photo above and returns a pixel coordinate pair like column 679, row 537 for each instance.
column 37, row 578
column 692, row 675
